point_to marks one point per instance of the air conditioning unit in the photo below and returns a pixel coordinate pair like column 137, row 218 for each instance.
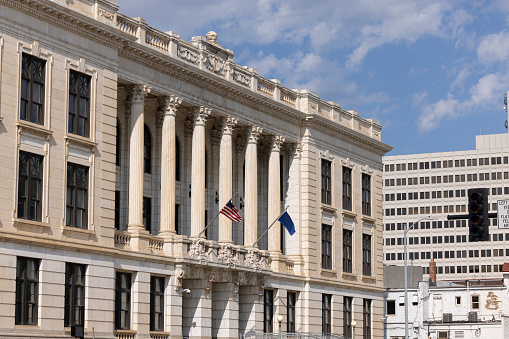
column 472, row 317
column 447, row 318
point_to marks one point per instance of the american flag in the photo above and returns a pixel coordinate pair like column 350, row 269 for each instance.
column 231, row 212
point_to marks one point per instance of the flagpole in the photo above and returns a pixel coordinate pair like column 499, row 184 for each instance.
column 268, row 228
column 217, row 215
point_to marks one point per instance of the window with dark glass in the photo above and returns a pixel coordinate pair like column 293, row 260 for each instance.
column 268, row 311
column 79, row 104
column 117, row 210
column 32, row 89
column 347, row 316
column 290, row 312
column 366, row 194
column 117, row 145
column 326, row 313
column 326, row 247
column 366, row 318
column 366, row 254
column 74, row 307
column 326, row 182
column 147, row 150
column 177, row 159
column 347, row 188
column 27, row 281
column 30, row 186
column 177, row 210
column 156, row 303
column 147, row 214
column 77, row 196
column 347, row 251
column 123, row 301
column 391, row 307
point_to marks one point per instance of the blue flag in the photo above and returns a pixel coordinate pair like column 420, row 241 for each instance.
column 287, row 223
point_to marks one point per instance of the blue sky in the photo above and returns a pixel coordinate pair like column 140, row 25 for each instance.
column 433, row 72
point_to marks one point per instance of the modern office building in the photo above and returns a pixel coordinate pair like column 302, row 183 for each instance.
column 120, row 143
column 436, row 185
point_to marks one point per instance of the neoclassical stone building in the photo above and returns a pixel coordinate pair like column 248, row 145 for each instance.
column 120, row 143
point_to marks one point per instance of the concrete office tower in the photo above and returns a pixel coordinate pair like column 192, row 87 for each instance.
column 436, row 184
column 120, row 143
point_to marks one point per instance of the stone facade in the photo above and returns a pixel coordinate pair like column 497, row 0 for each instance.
column 120, row 143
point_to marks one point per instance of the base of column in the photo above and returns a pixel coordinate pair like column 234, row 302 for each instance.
column 139, row 238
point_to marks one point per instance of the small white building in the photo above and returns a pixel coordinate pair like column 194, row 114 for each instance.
column 467, row 309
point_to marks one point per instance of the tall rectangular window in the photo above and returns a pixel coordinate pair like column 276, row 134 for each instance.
column 347, row 251
column 27, row 281
column 347, row 188
column 290, row 312
column 79, row 104
column 30, row 186
column 347, row 316
column 77, row 196
column 268, row 311
column 326, row 247
column 123, row 301
column 366, row 254
column 326, row 182
column 117, row 210
column 156, row 303
column 147, row 214
column 74, row 307
column 31, row 106
column 326, row 313
column 366, row 318
column 366, row 194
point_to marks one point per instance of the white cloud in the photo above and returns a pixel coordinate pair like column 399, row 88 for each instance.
column 432, row 115
column 461, row 77
column 494, row 48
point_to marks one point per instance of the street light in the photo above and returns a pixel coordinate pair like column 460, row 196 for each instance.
column 280, row 319
column 406, row 273
column 353, row 323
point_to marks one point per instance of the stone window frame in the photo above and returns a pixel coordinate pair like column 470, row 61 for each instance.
column 72, row 287
column 326, row 313
column 25, row 300
column 157, row 294
column 118, row 292
column 348, row 164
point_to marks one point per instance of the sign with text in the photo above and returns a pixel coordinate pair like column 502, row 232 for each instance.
column 503, row 213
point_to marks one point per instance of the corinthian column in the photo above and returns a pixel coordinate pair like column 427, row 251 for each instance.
column 225, row 176
column 169, row 107
column 136, row 96
column 251, row 187
column 274, row 193
column 200, row 115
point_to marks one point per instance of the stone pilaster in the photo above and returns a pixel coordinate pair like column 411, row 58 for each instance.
column 136, row 96
column 251, row 187
column 225, row 176
column 293, row 243
column 198, row 311
column 225, row 312
column 274, row 194
column 200, row 115
column 168, row 106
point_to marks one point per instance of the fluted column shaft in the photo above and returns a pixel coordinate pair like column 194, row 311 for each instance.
column 200, row 115
column 169, row 107
column 251, row 187
column 274, row 193
column 136, row 95
column 225, row 177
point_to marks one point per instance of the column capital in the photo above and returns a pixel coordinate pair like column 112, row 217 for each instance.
column 136, row 93
column 168, row 104
column 276, row 141
column 200, row 115
column 295, row 149
column 253, row 134
column 227, row 125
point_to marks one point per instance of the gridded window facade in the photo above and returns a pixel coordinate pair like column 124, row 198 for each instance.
column 347, row 251
column 77, row 196
column 74, row 308
column 79, row 104
column 30, row 186
column 366, row 254
column 326, row 182
column 326, row 247
column 123, row 301
column 27, row 291
column 31, row 106
column 268, row 311
column 366, row 194
column 347, row 188
column 347, row 316
column 326, row 313
column 290, row 312
column 156, row 303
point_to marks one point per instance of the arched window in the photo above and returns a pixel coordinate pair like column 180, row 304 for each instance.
column 117, row 147
column 177, row 159
column 147, row 151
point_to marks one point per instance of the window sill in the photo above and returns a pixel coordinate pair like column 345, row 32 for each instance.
column 124, row 332
column 34, row 128
column 348, row 214
column 348, row 276
column 25, row 222
column 159, row 335
column 368, row 219
column 368, row 279
column 68, row 229
column 81, row 141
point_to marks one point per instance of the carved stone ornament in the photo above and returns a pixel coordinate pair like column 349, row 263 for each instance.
column 169, row 104
column 241, row 78
column 253, row 134
column 227, row 125
column 200, row 115
column 276, row 141
column 211, row 277
column 254, row 259
column 347, row 162
column 227, row 255
column 200, row 250
column 179, row 278
column 367, row 169
column 261, row 287
column 136, row 93
column 295, row 150
column 237, row 281
column 214, row 64
column 107, row 15
column 187, row 55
